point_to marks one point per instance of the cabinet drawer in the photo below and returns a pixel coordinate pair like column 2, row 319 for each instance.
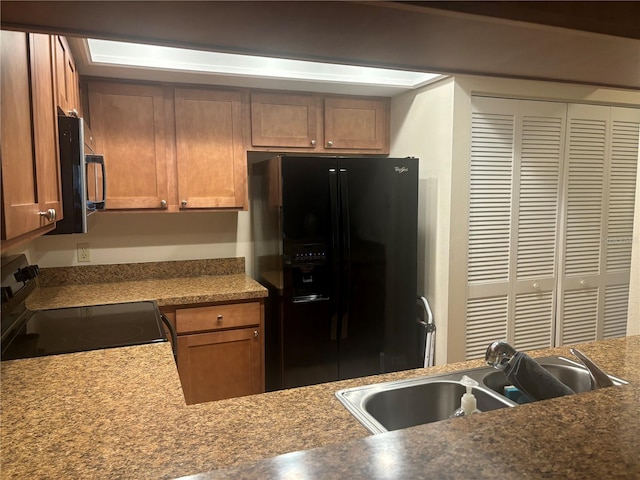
column 217, row 317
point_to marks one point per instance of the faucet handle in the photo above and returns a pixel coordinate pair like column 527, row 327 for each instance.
column 499, row 354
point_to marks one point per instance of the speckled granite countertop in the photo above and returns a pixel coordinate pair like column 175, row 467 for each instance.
column 168, row 283
column 120, row 413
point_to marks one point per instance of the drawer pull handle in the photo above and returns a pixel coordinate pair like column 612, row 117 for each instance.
column 219, row 318
column 256, row 333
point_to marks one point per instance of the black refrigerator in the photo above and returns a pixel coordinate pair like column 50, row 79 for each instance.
column 335, row 242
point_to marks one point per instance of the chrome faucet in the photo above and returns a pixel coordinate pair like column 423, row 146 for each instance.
column 598, row 378
column 500, row 353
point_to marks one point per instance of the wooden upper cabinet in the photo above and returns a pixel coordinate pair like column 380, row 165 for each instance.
column 30, row 167
column 356, row 124
column 285, row 120
column 129, row 120
column 45, row 124
column 319, row 124
column 210, row 155
column 66, row 77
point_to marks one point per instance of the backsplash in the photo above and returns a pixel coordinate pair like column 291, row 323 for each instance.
column 91, row 274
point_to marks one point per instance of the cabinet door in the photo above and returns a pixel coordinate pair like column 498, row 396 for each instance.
column 210, row 155
column 218, row 365
column 19, row 184
column 30, row 171
column 282, row 120
column 45, row 124
column 129, row 120
column 66, row 77
column 356, row 124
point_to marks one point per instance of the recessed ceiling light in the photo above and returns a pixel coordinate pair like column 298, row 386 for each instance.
column 106, row 52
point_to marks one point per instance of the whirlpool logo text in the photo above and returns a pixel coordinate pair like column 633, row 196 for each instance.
column 401, row 169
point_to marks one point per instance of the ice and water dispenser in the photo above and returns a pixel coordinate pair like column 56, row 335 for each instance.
column 310, row 273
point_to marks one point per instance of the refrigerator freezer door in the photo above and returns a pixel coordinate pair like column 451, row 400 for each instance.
column 309, row 298
column 309, row 355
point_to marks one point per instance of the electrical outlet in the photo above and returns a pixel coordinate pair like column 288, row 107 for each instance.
column 84, row 254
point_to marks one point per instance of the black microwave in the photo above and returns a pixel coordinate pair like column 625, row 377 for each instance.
column 82, row 175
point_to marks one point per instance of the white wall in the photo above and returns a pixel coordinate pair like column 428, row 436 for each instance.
column 149, row 237
column 421, row 126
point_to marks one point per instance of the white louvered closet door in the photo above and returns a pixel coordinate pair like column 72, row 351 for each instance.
column 600, row 178
column 515, row 177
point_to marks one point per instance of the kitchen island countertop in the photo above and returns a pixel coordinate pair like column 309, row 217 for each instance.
column 120, row 413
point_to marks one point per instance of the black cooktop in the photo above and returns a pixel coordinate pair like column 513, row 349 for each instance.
column 77, row 329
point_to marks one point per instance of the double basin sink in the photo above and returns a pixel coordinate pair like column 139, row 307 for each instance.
column 401, row 404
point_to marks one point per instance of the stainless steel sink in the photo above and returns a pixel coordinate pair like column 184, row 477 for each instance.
column 571, row 373
column 400, row 404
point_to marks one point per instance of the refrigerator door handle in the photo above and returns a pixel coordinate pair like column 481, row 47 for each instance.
column 346, row 251
column 335, row 266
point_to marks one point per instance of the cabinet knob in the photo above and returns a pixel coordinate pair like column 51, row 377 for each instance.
column 536, row 286
column 49, row 214
column 330, row 143
column 313, row 142
column 256, row 333
column 183, row 203
column 583, row 283
column 219, row 318
column 163, row 203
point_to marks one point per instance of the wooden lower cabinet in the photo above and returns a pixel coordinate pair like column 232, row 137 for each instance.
column 220, row 350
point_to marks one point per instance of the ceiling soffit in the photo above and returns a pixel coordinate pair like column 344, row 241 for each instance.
column 381, row 34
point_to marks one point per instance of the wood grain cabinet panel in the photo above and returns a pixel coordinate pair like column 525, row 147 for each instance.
column 45, row 125
column 356, row 124
column 210, row 155
column 285, row 120
column 30, row 167
column 219, row 365
column 130, row 122
column 217, row 317
column 319, row 124
column 220, row 349
column 66, row 77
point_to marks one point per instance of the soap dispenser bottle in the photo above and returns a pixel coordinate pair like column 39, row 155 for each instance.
column 468, row 402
